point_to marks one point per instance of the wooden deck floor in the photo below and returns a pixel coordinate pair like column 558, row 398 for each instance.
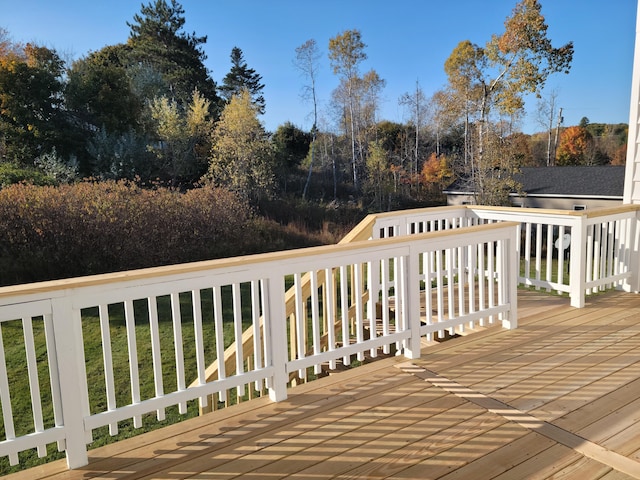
column 557, row 398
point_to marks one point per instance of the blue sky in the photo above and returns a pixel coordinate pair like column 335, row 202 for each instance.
column 407, row 41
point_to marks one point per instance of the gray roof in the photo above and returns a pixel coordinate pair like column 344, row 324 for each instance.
column 574, row 181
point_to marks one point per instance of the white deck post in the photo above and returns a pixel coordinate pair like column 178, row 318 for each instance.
column 633, row 284
column 276, row 344
column 73, row 384
column 577, row 262
column 509, row 262
column 412, row 307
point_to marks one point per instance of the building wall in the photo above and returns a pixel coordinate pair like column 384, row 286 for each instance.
column 557, row 203
column 566, row 203
column 632, row 172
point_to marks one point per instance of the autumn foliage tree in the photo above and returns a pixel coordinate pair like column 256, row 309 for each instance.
column 184, row 137
column 436, row 171
column 574, row 147
column 379, row 180
column 497, row 77
column 241, row 154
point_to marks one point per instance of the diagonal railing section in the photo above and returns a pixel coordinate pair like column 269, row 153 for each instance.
column 118, row 351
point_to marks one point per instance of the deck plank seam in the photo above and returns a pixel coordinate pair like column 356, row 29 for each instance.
column 579, row 444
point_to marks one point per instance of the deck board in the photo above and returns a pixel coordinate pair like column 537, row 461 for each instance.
column 568, row 379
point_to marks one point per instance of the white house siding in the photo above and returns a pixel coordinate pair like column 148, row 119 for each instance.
column 632, row 173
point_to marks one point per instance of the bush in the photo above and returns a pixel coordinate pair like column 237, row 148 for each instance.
column 10, row 174
column 97, row 227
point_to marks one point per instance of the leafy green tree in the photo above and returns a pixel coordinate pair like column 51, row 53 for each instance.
column 240, row 78
column 111, row 108
column 157, row 39
column 10, row 174
column 100, row 94
column 120, row 156
column 241, row 154
column 379, row 180
column 32, row 120
column 290, row 145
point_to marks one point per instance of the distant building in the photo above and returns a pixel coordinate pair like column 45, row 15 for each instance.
column 565, row 188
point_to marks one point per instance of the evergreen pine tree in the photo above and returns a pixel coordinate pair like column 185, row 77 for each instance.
column 156, row 40
column 240, row 78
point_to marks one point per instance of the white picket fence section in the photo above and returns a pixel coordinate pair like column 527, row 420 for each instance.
column 363, row 298
column 578, row 253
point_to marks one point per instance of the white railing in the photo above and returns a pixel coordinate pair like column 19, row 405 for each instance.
column 577, row 253
column 168, row 323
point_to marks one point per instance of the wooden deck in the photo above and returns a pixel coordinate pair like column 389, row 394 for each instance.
column 557, row 398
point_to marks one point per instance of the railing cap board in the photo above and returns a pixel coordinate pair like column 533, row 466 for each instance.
column 362, row 231
column 601, row 212
column 416, row 211
column 528, row 210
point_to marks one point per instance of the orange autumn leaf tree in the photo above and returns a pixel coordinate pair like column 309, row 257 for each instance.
column 575, row 143
column 436, row 171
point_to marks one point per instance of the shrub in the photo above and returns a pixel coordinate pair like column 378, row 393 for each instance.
column 97, row 227
column 10, row 174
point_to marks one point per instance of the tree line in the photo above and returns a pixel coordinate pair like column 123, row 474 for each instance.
column 148, row 110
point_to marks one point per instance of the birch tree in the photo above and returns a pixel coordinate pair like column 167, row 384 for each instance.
column 547, row 112
column 346, row 53
column 307, row 62
column 415, row 102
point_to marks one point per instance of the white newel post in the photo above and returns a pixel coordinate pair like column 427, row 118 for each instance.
column 512, row 271
column 577, row 262
column 276, row 329
column 410, row 271
column 633, row 284
column 73, row 385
